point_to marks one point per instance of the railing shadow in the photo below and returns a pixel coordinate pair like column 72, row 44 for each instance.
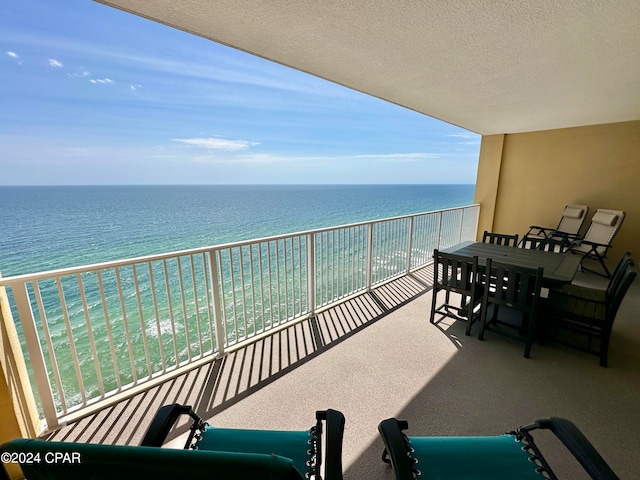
column 225, row 381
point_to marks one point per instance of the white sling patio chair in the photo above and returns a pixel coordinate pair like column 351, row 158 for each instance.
column 595, row 243
column 569, row 226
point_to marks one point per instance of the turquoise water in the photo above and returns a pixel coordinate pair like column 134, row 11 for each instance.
column 44, row 228
column 54, row 227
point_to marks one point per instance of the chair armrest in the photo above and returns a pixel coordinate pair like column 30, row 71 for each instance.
column 538, row 230
column 164, row 420
column 568, row 237
column 334, row 422
column 578, row 445
column 581, row 241
column 396, row 447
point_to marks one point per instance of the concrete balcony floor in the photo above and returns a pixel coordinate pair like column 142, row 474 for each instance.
column 377, row 356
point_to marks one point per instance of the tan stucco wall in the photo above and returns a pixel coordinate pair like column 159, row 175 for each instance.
column 19, row 416
column 9, row 427
column 533, row 175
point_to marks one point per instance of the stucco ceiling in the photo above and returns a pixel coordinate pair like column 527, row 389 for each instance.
column 493, row 66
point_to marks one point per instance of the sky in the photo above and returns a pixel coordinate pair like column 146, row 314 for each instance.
column 90, row 95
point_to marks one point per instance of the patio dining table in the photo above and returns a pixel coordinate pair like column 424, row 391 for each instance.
column 559, row 268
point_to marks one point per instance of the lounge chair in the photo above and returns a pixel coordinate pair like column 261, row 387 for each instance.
column 597, row 241
column 569, row 226
column 219, row 453
column 500, row 457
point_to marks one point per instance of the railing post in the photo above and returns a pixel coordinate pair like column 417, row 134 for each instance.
column 461, row 225
column 36, row 356
column 20, row 395
column 217, row 311
column 369, row 254
column 409, row 244
column 311, row 274
column 439, row 230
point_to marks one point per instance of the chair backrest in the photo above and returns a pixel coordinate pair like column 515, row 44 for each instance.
column 618, row 273
column 604, row 226
column 556, row 244
column 457, row 273
column 572, row 219
column 500, row 239
column 613, row 303
column 514, row 286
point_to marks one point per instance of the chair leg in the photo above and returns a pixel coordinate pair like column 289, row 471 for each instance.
column 483, row 321
column 433, row 305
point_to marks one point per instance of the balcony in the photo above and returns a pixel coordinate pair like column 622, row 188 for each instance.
column 373, row 354
column 380, row 357
column 92, row 335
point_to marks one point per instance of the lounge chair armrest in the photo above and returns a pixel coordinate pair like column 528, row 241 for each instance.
column 395, row 446
column 538, row 230
column 595, row 244
column 334, row 424
column 164, row 420
column 579, row 446
column 568, row 237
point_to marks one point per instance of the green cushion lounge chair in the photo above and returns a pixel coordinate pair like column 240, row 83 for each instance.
column 213, row 453
column 502, row 457
column 304, row 448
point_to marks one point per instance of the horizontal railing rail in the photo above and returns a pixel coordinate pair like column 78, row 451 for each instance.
column 93, row 333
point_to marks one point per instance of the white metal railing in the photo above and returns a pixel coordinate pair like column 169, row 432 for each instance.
column 93, row 333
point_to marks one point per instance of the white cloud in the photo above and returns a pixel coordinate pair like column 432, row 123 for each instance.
column 101, row 80
column 13, row 54
column 217, row 143
column 79, row 74
column 135, row 87
column 55, row 63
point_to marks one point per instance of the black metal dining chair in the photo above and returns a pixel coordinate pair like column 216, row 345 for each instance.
column 456, row 274
column 500, row 239
column 511, row 289
column 552, row 244
column 583, row 318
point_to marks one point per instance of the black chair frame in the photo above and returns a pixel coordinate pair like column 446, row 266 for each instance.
column 517, row 288
column 591, row 318
column 500, row 239
column 549, row 244
column 456, row 274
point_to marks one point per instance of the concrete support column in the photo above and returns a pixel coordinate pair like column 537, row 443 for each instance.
column 19, row 413
column 488, row 180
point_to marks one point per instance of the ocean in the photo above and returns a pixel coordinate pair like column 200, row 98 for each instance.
column 138, row 329
column 45, row 228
